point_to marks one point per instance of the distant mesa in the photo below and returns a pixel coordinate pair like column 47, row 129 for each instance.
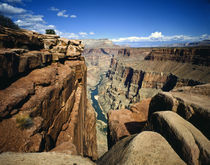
column 98, row 43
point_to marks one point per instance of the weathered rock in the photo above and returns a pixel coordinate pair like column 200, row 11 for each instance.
column 16, row 62
column 65, row 147
column 198, row 56
column 192, row 103
column 48, row 158
column 43, row 100
column 20, row 38
column 191, row 145
column 146, row 148
column 122, row 123
column 133, row 76
column 90, row 140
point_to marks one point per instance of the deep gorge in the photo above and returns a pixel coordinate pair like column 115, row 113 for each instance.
column 152, row 104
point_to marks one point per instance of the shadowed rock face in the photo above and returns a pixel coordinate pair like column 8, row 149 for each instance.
column 43, row 101
column 124, row 122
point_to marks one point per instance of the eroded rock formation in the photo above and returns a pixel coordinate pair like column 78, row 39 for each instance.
column 185, row 126
column 139, row 73
column 43, row 100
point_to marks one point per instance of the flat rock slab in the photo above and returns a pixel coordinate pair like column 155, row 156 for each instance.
column 191, row 145
column 147, row 148
column 46, row 158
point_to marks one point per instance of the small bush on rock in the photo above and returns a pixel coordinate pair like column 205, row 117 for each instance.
column 24, row 121
column 50, row 31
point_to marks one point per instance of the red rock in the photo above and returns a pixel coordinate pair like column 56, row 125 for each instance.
column 125, row 122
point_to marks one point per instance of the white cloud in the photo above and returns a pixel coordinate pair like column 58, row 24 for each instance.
column 83, row 34
column 91, row 33
column 62, row 14
column 11, row 10
column 54, row 9
column 158, row 36
column 73, row 16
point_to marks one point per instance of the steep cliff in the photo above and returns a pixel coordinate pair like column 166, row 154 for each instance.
column 43, row 100
column 139, row 73
column 98, row 60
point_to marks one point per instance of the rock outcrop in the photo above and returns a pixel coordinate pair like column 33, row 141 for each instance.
column 198, row 56
column 146, row 148
column 192, row 103
column 124, row 122
column 191, row 145
column 43, row 100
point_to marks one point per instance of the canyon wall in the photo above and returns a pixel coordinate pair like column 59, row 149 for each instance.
column 43, row 100
column 170, row 122
column 98, row 60
column 139, row 73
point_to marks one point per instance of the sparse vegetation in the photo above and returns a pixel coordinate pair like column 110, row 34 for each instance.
column 24, row 121
column 50, row 31
column 7, row 22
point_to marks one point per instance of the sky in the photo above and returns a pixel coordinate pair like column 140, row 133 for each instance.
column 133, row 22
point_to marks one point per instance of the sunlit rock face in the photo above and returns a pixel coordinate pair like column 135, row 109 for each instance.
column 43, row 100
column 139, row 73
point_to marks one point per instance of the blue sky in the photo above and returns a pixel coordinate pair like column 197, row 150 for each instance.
column 123, row 21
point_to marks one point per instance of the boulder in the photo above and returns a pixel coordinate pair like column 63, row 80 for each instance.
column 191, row 145
column 147, row 148
column 192, row 103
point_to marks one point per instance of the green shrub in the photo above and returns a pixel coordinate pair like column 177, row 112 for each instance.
column 50, row 31
column 7, row 22
column 24, row 121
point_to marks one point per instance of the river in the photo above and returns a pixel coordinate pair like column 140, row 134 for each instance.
column 95, row 104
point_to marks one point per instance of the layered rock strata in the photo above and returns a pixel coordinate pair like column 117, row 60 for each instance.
column 139, row 73
column 43, row 100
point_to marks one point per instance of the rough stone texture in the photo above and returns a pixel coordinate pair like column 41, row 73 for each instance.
column 90, row 139
column 192, row 103
column 98, row 57
column 65, row 147
column 25, row 39
column 47, row 158
column 191, row 145
column 43, row 100
column 124, row 122
column 198, row 56
column 147, row 148
column 133, row 76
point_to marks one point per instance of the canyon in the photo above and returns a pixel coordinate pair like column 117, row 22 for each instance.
column 92, row 102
